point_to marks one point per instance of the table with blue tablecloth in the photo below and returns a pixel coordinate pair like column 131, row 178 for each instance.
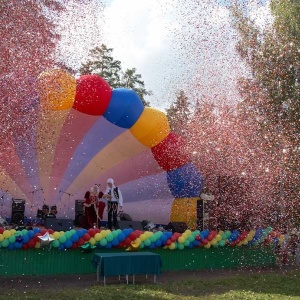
column 127, row 263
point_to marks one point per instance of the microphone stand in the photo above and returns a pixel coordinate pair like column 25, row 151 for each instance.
column 69, row 201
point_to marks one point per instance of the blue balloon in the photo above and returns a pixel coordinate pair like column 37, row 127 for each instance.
column 25, row 239
column 152, row 246
column 185, row 182
column 36, row 229
column 68, row 244
column 108, row 245
column 18, row 245
column 124, row 109
column 31, row 234
column 74, row 237
column 158, row 243
column 11, row 246
column 121, row 237
column 115, row 242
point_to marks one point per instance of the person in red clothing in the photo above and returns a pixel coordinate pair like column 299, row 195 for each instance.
column 93, row 208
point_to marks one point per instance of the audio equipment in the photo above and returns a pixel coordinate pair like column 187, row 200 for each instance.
column 17, row 212
column 78, row 212
column 59, row 224
column 179, row 227
column 135, row 225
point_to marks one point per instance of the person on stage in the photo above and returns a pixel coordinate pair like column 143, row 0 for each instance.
column 93, row 208
column 114, row 198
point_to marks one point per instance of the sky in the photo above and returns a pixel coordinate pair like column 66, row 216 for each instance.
column 174, row 44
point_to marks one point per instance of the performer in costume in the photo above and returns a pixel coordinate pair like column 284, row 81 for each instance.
column 114, row 200
column 93, row 210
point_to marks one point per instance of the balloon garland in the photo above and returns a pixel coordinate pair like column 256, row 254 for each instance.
column 87, row 240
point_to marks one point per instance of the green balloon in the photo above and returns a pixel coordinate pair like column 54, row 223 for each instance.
column 5, row 243
column 109, row 237
column 147, row 242
column 55, row 243
column 62, row 239
column 180, row 246
column 103, row 242
column 12, row 239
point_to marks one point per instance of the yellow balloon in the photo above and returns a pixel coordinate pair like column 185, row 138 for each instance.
column 151, row 127
column 13, row 231
column 6, row 234
column 214, row 241
column 56, row 235
column 181, row 240
column 37, row 245
column 207, row 246
column 137, row 241
column 104, row 233
column 143, row 237
column 172, row 246
column 218, row 237
column 98, row 236
column 92, row 241
column 188, row 232
column 57, row 89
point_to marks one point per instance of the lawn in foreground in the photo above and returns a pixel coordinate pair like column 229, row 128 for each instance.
column 248, row 286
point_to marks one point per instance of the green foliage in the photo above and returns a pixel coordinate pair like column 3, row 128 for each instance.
column 264, row 285
column 102, row 63
column 179, row 113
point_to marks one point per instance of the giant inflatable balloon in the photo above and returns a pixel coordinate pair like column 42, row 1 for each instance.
column 87, row 132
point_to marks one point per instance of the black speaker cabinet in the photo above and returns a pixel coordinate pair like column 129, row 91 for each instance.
column 79, row 206
column 78, row 212
column 179, row 227
column 17, row 211
column 59, row 224
column 135, row 225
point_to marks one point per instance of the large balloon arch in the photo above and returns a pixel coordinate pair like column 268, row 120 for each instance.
column 87, row 132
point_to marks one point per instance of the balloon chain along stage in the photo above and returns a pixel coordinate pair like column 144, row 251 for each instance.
column 51, row 252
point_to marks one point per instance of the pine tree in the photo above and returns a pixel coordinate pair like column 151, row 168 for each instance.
column 102, row 63
column 179, row 113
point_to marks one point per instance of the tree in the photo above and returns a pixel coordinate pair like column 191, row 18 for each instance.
column 178, row 114
column 102, row 63
column 133, row 81
column 27, row 48
column 271, row 94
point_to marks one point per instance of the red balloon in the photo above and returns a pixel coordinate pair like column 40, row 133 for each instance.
column 43, row 231
column 168, row 242
column 210, row 237
column 1, row 230
column 171, row 153
column 92, row 232
column 31, row 243
column 74, row 245
column 93, row 94
column 127, row 241
column 132, row 236
column 25, row 246
column 51, row 231
column 81, row 241
column 86, row 237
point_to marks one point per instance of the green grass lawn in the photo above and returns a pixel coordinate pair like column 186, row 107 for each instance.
column 282, row 285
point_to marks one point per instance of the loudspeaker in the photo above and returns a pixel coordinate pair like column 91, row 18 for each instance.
column 79, row 206
column 135, row 225
column 78, row 212
column 179, row 227
column 59, row 224
column 17, row 211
